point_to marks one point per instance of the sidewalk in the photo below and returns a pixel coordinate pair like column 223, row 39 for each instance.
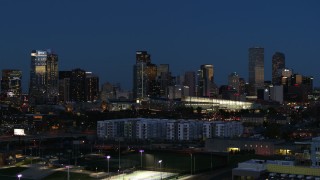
column 38, row 171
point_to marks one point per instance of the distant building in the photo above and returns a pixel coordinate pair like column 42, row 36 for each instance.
column 190, row 81
column 178, row 91
column 214, row 103
column 276, row 93
column 166, row 129
column 144, row 76
column 64, row 86
column 108, row 91
column 78, row 85
column 315, row 152
column 256, row 69
column 228, row 92
column 278, row 64
column 273, row 169
column 11, row 83
column 227, row 129
column 206, row 81
column 52, row 77
column 162, row 68
column 164, row 79
column 92, row 87
column 265, row 147
column 242, row 86
column 254, row 119
column 286, row 77
column 43, row 87
column 234, row 81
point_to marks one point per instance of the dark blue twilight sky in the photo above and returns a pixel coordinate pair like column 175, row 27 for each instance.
column 102, row 36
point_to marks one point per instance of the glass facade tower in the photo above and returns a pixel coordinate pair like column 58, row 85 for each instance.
column 256, row 69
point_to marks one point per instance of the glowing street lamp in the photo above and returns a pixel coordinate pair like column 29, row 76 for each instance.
column 141, row 151
column 19, row 176
column 108, row 157
column 191, row 162
column 68, row 167
column 160, row 161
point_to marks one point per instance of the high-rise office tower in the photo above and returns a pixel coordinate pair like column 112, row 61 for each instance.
column 307, row 81
column 92, row 87
column 108, row 91
column 144, row 76
column 296, row 79
column 164, row 79
column 206, row 80
column 286, row 77
column 234, row 81
column 190, row 81
column 278, row 64
column 37, row 86
column 242, row 86
column 52, row 78
column 43, row 87
column 162, row 68
column 152, row 85
column 77, row 85
column 256, row 69
column 139, row 74
column 64, row 86
column 143, row 56
column 11, row 83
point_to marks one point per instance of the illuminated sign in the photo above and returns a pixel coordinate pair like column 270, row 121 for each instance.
column 41, row 52
column 19, row 132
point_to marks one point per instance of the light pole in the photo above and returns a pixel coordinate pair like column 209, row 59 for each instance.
column 141, row 151
column 68, row 167
column 160, row 161
column 108, row 157
column 31, row 154
column 19, row 176
column 191, row 163
column 119, row 155
column 97, row 172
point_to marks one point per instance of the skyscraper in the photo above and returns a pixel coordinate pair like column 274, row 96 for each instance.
column 77, row 85
column 164, row 79
column 190, row 81
column 64, row 86
column 143, row 56
column 144, row 76
column 52, row 78
column 43, row 87
column 11, row 83
column 92, row 87
column 278, row 64
column 206, row 80
column 256, row 69
column 234, row 81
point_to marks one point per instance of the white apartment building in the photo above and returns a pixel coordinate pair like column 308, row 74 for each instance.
column 166, row 129
column 227, row 129
column 315, row 152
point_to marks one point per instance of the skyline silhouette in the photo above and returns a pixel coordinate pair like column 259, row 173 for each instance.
column 102, row 37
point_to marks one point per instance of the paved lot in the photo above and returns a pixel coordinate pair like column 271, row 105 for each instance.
column 143, row 175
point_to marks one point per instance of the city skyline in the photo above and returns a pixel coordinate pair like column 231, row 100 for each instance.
column 103, row 37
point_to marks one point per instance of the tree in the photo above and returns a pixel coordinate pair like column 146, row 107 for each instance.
column 199, row 110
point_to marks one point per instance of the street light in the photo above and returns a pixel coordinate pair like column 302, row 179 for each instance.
column 108, row 157
column 191, row 163
column 141, row 151
column 160, row 161
column 68, row 167
column 19, row 176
